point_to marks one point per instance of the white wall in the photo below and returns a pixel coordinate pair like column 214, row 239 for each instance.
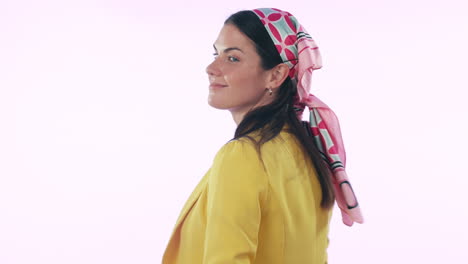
column 105, row 129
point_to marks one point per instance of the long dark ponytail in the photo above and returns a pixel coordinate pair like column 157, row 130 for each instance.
column 270, row 119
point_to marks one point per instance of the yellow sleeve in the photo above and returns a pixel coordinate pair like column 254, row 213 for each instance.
column 237, row 190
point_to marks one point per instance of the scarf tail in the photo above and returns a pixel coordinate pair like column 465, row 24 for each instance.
column 326, row 131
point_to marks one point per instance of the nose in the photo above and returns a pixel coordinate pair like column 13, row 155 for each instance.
column 212, row 69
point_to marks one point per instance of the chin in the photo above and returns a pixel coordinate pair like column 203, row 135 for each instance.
column 218, row 104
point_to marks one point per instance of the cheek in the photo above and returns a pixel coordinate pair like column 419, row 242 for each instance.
column 246, row 79
column 245, row 87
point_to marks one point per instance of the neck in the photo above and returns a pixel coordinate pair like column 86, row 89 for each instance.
column 239, row 113
column 238, row 117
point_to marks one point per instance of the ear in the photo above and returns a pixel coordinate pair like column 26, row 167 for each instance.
column 277, row 75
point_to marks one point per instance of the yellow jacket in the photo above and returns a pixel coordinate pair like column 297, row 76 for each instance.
column 246, row 211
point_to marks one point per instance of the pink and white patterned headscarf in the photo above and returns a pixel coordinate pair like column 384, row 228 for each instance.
column 300, row 52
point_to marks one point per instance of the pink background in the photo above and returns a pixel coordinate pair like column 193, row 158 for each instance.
column 105, row 129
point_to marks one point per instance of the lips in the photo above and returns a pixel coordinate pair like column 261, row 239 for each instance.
column 217, row 86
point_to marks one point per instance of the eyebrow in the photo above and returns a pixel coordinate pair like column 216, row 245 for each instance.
column 229, row 49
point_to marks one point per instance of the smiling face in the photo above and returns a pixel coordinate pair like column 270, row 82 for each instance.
column 238, row 82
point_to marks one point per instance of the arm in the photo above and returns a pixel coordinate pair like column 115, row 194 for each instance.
column 237, row 190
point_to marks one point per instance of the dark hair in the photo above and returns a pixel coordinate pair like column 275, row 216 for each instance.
column 269, row 119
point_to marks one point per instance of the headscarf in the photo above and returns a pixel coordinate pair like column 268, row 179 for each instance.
column 300, row 52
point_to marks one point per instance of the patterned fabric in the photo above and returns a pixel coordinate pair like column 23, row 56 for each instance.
column 299, row 51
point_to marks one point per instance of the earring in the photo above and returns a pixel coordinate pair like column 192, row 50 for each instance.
column 270, row 90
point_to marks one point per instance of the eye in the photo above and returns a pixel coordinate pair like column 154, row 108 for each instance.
column 232, row 59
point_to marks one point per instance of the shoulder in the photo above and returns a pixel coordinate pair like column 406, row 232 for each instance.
column 239, row 160
column 245, row 148
column 237, row 170
column 238, row 150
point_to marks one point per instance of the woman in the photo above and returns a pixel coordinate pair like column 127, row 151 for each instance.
column 268, row 196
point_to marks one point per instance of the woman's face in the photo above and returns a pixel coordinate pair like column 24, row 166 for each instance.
column 237, row 80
